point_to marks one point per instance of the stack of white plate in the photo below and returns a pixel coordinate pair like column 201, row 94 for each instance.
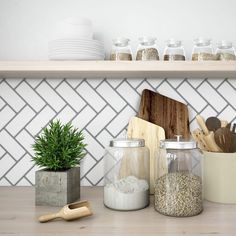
column 75, row 42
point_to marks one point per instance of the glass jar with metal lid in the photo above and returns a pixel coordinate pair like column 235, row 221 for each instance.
column 178, row 184
column 147, row 49
column 121, row 50
column 225, row 51
column 127, row 167
column 202, row 50
column 174, row 51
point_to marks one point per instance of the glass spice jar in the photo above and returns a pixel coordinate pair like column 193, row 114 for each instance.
column 121, row 50
column 202, row 50
column 225, row 51
column 178, row 185
column 147, row 49
column 127, row 167
column 174, row 51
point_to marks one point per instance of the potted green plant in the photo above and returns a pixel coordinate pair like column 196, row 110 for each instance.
column 58, row 149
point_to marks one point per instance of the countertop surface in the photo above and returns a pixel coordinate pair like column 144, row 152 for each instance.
column 18, row 216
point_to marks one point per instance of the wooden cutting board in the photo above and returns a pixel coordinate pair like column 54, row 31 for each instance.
column 152, row 134
column 165, row 112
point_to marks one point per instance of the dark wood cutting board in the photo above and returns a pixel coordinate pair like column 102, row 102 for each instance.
column 165, row 112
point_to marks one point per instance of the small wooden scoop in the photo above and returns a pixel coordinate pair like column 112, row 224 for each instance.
column 69, row 212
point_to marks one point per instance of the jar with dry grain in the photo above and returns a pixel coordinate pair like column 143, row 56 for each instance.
column 225, row 51
column 121, row 50
column 178, row 184
column 202, row 50
column 174, row 51
column 147, row 49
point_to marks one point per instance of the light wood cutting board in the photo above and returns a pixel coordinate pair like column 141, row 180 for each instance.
column 165, row 112
column 152, row 134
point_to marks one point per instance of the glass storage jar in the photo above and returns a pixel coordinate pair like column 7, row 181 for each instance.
column 225, row 51
column 147, row 49
column 202, row 50
column 178, row 185
column 121, row 50
column 174, row 51
column 127, row 166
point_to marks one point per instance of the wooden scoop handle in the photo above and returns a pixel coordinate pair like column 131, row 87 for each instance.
column 48, row 217
column 202, row 124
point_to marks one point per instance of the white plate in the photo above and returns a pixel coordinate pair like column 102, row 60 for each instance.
column 77, row 41
column 76, row 51
column 76, row 54
column 75, row 44
column 73, row 57
column 77, row 48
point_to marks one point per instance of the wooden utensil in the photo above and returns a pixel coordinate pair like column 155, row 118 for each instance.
column 225, row 139
column 224, row 123
column 165, row 112
column 234, row 128
column 211, row 143
column 69, row 212
column 152, row 134
column 202, row 124
column 198, row 136
column 213, row 123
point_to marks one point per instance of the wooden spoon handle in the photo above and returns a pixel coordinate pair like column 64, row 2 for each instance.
column 224, row 123
column 198, row 136
column 48, row 217
column 210, row 140
column 201, row 123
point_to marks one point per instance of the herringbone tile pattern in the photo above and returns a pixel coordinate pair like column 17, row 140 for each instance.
column 101, row 107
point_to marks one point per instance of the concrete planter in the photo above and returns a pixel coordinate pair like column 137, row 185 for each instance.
column 57, row 188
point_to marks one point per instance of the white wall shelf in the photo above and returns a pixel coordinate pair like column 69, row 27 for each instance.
column 141, row 69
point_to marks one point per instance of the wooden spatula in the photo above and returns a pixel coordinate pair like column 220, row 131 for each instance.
column 152, row 134
column 213, row 123
column 168, row 113
column 225, row 139
column 69, row 212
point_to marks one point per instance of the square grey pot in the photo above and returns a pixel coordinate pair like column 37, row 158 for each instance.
column 57, row 188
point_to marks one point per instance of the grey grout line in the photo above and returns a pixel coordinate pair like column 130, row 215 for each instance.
column 117, row 114
column 16, row 114
column 5, row 174
column 8, row 181
column 223, row 81
column 5, row 105
column 127, row 99
column 29, row 181
column 24, row 175
column 102, row 81
column 89, row 181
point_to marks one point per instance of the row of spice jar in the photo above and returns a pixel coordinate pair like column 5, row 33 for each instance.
column 174, row 51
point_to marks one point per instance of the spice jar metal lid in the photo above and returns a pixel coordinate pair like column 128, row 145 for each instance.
column 177, row 143
column 120, row 41
column 173, row 43
column 202, row 42
column 223, row 44
column 127, row 143
column 147, row 41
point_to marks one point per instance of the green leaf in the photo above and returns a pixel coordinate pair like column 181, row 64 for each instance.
column 59, row 147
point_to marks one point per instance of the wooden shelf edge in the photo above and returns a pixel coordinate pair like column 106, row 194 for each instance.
column 117, row 69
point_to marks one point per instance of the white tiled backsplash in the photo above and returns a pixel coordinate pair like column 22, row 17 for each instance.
column 101, row 107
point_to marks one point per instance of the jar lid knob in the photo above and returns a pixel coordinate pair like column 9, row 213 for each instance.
column 178, row 136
